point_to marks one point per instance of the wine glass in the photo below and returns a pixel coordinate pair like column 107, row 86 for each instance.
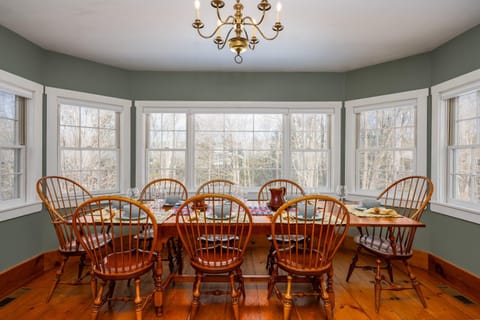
column 133, row 193
column 342, row 192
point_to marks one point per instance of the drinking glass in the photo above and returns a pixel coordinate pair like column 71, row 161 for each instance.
column 159, row 195
column 342, row 192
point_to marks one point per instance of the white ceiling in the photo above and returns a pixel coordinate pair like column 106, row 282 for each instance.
column 319, row 35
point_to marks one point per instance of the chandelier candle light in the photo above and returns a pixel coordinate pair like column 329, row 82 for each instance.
column 240, row 40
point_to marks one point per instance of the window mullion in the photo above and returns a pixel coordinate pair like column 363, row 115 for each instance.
column 287, row 148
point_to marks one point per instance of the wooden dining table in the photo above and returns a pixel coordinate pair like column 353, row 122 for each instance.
column 262, row 224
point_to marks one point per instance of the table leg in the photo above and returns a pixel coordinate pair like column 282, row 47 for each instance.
column 159, row 288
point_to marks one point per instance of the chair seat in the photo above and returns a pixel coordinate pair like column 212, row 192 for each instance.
column 226, row 258
column 301, row 262
column 119, row 263
column 285, row 238
column 74, row 246
column 218, row 238
column 380, row 246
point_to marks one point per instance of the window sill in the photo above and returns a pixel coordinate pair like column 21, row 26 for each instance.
column 19, row 210
column 466, row 214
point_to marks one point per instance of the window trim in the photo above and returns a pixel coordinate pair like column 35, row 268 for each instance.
column 352, row 106
column 190, row 107
column 33, row 91
column 440, row 93
column 56, row 96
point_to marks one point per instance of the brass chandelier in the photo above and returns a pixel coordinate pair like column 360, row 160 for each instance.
column 241, row 39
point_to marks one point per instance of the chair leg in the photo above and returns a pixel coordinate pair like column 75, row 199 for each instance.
column 288, row 300
column 272, row 281
column 196, row 295
column 138, row 300
column 98, row 301
column 330, row 291
column 58, row 276
column 353, row 263
column 234, row 295
column 390, row 270
column 378, row 285
column 179, row 257
column 241, row 282
column 93, row 284
column 82, row 264
column 415, row 284
column 270, row 258
column 109, row 295
column 327, row 304
column 171, row 253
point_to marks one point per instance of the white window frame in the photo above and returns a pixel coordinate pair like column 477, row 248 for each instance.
column 440, row 93
column 28, row 203
column 352, row 107
column 55, row 96
column 189, row 107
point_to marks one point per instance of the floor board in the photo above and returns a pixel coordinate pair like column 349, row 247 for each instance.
column 354, row 300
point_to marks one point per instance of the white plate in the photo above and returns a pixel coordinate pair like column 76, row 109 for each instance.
column 125, row 216
column 318, row 216
column 210, row 216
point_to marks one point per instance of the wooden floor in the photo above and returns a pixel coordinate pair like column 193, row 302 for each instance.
column 354, row 300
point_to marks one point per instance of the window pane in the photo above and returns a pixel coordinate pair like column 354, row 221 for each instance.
column 69, row 137
column 10, row 173
column 69, row 115
column 70, row 160
column 7, row 128
column 467, row 132
column 89, row 117
column 107, row 119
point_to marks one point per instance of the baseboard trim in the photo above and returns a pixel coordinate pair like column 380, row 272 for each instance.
column 26, row 271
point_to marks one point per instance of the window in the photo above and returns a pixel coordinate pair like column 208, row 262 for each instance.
column 166, row 144
column 456, row 141
column 20, row 133
column 246, row 142
column 386, row 140
column 12, row 145
column 90, row 140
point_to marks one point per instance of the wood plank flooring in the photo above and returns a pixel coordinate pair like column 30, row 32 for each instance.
column 354, row 300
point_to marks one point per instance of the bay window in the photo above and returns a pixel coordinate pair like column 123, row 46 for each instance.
column 246, row 142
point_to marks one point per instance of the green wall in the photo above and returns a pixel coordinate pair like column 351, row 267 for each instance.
column 238, row 86
column 456, row 57
column 443, row 235
column 396, row 76
column 66, row 72
column 20, row 56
